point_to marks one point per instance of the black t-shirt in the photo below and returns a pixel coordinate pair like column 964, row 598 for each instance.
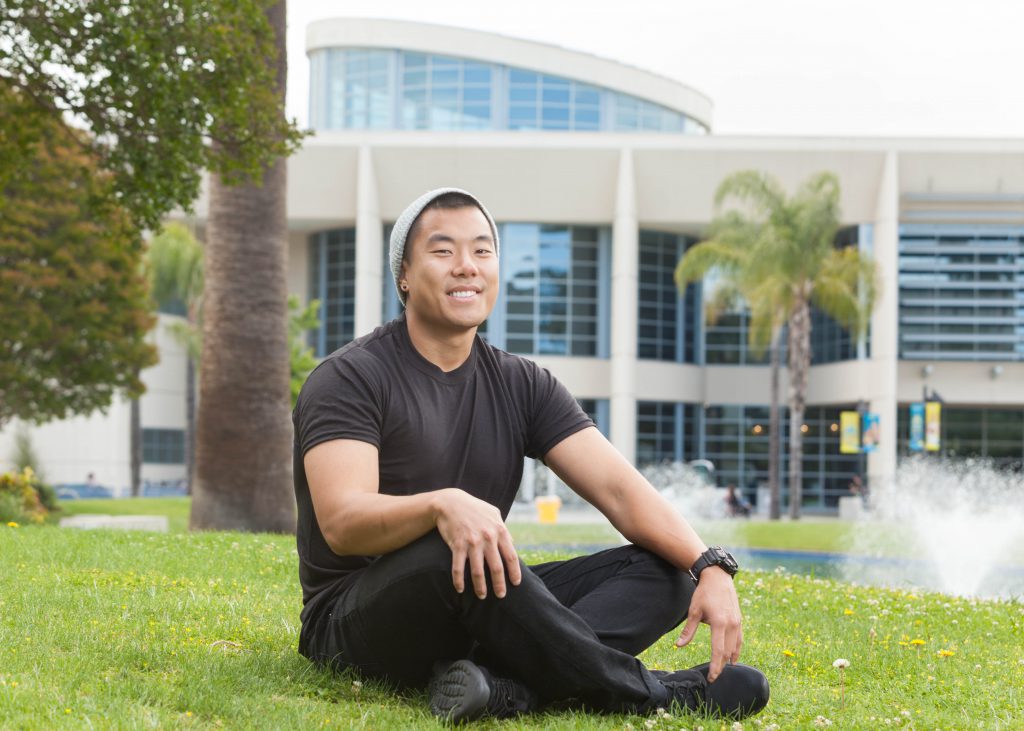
column 468, row 428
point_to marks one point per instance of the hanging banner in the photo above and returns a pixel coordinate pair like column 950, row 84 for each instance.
column 932, row 426
column 869, row 432
column 916, row 442
column 849, row 432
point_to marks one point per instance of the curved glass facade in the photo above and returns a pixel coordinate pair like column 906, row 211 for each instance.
column 353, row 88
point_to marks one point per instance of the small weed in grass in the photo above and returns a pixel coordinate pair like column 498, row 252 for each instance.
column 103, row 629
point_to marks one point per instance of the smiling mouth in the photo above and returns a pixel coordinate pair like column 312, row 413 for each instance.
column 463, row 294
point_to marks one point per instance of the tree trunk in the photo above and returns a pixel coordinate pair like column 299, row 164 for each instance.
column 135, row 447
column 774, row 435
column 244, row 433
column 799, row 369
column 190, row 424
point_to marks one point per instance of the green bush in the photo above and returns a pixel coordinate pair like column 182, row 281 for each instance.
column 20, row 497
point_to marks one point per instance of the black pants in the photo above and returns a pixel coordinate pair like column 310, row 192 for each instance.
column 569, row 631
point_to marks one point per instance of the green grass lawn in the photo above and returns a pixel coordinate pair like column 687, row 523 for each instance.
column 174, row 508
column 810, row 535
column 105, row 629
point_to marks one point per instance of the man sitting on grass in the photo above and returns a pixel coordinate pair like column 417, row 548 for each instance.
column 409, row 446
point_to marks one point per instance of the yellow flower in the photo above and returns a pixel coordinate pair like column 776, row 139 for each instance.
column 847, row 612
column 787, row 653
column 946, row 653
column 917, row 641
column 12, row 524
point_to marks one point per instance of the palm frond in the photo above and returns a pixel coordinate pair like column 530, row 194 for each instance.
column 726, row 297
column 846, row 288
column 707, row 255
column 189, row 336
column 756, row 189
column 175, row 262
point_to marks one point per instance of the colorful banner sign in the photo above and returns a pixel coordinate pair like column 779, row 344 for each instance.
column 916, row 442
column 869, row 432
column 849, row 432
column 933, row 426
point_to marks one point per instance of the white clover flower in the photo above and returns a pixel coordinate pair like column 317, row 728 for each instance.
column 822, row 722
column 737, row 726
column 841, row 663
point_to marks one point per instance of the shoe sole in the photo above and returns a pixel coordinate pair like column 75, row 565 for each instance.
column 460, row 693
column 737, row 680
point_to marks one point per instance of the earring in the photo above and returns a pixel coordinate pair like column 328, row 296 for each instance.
column 404, row 286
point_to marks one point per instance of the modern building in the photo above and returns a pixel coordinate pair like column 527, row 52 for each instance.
column 600, row 175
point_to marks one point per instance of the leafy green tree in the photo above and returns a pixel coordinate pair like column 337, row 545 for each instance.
column 153, row 83
column 73, row 302
column 166, row 90
column 778, row 253
column 300, row 321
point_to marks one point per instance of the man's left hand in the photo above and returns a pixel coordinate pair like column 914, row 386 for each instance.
column 715, row 603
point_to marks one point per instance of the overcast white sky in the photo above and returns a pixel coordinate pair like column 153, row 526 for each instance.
column 778, row 67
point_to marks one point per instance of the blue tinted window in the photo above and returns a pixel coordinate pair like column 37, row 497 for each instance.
column 550, row 304
column 960, row 292
column 667, row 323
column 332, row 271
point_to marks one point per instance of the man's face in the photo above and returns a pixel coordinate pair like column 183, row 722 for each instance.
column 451, row 269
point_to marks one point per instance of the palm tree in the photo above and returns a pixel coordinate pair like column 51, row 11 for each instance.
column 780, row 254
column 243, row 458
column 175, row 260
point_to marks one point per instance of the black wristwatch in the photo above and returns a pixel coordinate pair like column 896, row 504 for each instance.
column 714, row 556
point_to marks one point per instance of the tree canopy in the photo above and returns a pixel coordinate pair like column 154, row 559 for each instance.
column 110, row 111
column 73, row 299
column 154, row 84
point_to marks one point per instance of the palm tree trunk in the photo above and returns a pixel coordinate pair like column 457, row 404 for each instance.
column 799, row 370
column 190, row 424
column 774, row 435
column 244, row 434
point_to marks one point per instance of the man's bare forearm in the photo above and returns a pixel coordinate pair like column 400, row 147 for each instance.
column 371, row 524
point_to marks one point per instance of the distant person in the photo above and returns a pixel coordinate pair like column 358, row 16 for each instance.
column 736, row 504
column 90, row 480
column 409, row 446
column 859, row 489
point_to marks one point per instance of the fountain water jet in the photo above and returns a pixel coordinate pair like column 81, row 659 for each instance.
column 959, row 524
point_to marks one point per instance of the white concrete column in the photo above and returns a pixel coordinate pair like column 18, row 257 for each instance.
column 625, row 280
column 881, row 385
column 528, row 485
column 369, row 247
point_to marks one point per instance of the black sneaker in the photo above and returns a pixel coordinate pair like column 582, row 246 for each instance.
column 739, row 691
column 464, row 691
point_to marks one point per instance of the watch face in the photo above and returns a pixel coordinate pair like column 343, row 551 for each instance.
column 725, row 560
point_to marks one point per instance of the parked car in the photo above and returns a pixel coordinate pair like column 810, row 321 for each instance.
column 81, row 491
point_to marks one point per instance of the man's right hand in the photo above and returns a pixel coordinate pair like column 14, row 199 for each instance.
column 475, row 532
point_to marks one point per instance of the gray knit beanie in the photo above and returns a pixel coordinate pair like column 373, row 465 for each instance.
column 400, row 232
